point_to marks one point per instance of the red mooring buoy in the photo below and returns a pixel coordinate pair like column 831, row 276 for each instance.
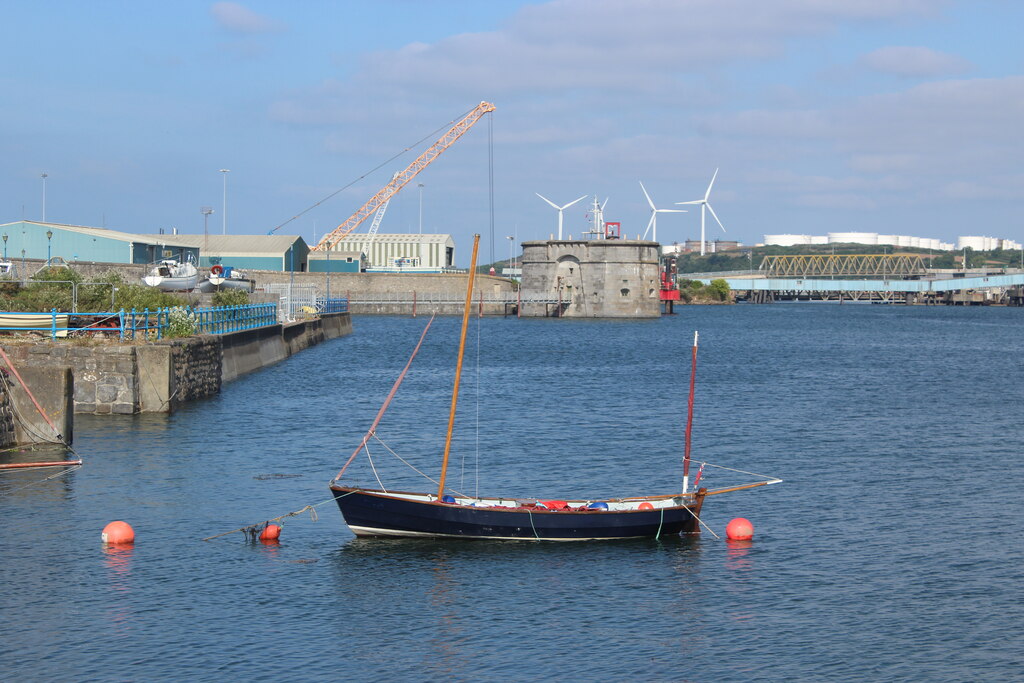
column 739, row 529
column 118, row 533
column 271, row 533
column 646, row 506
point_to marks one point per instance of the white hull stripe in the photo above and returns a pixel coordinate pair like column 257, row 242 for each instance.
column 371, row 531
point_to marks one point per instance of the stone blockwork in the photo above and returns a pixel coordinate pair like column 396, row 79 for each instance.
column 105, row 376
column 592, row 278
column 159, row 376
column 6, row 417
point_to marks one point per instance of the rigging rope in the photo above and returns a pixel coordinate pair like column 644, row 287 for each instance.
column 376, row 168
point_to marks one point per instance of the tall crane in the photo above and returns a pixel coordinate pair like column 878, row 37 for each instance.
column 379, row 200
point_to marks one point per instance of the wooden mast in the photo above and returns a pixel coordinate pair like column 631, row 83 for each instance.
column 458, row 366
column 689, row 417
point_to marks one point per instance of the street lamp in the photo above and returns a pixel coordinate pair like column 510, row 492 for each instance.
column 49, row 236
column 206, row 211
column 5, row 246
column 44, row 177
column 224, row 211
column 511, row 241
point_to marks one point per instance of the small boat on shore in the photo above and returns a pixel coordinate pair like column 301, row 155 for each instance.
column 172, row 275
column 226, row 277
column 449, row 514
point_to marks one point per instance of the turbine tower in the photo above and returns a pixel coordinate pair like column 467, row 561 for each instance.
column 704, row 204
column 560, row 209
column 652, row 225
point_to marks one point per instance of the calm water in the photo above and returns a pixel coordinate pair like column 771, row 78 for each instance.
column 892, row 551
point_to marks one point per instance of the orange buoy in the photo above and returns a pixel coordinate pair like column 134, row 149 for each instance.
column 646, row 506
column 739, row 529
column 117, row 533
column 271, row 533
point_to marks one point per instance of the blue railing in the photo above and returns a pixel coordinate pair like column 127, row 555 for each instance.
column 332, row 305
column 221, row 319
column 144, row 324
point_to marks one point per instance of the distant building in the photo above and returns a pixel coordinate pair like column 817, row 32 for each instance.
column 426, row 253
column 254, row 252
column 29, row 239
column 329, row 261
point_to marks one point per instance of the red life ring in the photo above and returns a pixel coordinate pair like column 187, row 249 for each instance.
column 217, row 269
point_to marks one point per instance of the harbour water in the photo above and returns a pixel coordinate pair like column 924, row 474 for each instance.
column 892, row 551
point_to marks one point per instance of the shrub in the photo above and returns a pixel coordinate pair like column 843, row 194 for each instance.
column 181, row 322
column 720, row 289
column 231, row 297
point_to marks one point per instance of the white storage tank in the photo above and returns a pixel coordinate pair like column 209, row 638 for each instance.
column 786, row 240
column 819, row 239
column 890, row 240
column 853, row 237
column 970, row 242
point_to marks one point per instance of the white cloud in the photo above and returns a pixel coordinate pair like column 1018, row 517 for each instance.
column 236, row 18
column 915, row 62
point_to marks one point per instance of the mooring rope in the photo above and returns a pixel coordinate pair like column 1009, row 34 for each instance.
column 257, row 528
column 530, row 512
column 661, row 521
column 72, row 468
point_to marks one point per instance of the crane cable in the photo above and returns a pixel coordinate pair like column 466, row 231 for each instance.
column 376, row 168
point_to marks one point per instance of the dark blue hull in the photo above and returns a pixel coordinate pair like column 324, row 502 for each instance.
column 375, row 513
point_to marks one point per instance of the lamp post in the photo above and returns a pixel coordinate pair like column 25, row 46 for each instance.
column 24, row 273
column 511, row 241
column 224, row 210
column 419, row 247
column 44, row 177
column 206, row 211
column 49, row 236
column 5, row 246
column 328, row 275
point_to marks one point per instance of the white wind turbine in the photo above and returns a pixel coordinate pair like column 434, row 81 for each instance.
column 653, row 223
column 560, row 209
column 705, row 205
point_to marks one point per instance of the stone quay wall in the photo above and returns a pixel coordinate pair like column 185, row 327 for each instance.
column 159, row 376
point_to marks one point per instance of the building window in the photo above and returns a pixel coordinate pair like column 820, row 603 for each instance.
column 348, row 259
column 624, row 292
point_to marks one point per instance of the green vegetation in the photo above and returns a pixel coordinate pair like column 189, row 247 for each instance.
column 231, row 297
column 695, row 292
column 181, row 322
column 55, row 287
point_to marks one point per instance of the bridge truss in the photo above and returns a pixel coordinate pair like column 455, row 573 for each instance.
column 847, row 265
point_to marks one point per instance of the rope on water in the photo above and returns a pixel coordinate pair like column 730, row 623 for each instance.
column 530, row 512
column 699, row 521
column 660, row 522
column 252, row 531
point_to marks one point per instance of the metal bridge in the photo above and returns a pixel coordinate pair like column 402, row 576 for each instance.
column 856, row 265
column 883, row 290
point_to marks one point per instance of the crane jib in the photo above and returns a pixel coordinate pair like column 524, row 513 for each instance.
column 403, row 177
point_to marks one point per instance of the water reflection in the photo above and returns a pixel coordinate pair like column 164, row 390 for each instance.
column 118, row 560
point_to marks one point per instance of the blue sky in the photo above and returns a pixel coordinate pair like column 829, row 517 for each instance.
column 889, row 116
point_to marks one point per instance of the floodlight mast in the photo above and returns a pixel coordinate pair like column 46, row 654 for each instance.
column 402, row 177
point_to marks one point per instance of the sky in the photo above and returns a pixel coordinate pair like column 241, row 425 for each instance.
column 888, row 116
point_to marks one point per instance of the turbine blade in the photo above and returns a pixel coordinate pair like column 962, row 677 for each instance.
column 697, row 201
column 553, row 205
column 605, row 203
column 649, row 224
column 670, row 210
column 649, row 201
column 573, row 202
column 708, row 193
column 716, row 217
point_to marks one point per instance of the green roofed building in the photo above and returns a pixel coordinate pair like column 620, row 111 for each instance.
column 38, row 240
column 252, row 252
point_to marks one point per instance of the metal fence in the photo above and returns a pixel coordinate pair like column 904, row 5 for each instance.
column 144, row 324
column 297, row 301
column 332, row 305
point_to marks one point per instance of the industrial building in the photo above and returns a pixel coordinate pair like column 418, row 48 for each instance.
column 38, row 240
column 253, row 252
column 330, row 261
column 401, row 252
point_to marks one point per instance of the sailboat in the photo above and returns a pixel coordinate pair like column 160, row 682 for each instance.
column 444, row 514
column 172, row 275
